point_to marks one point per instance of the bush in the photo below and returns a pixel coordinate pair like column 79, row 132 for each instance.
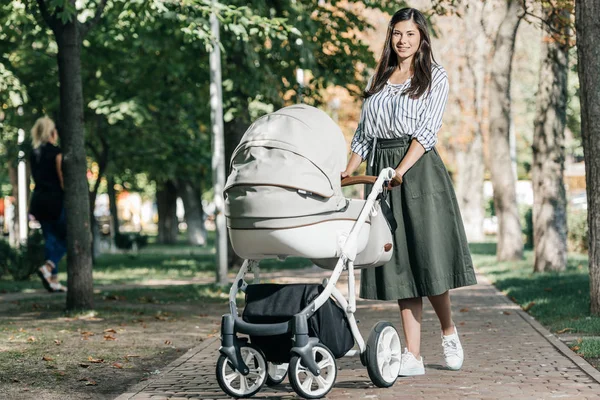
column 23, row 262
column 130, row 240
column 577, row 236
column 526, row 216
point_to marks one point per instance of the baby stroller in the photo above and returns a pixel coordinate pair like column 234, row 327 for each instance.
column 283, row 198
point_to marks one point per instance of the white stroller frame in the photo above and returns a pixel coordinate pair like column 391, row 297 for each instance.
column 381, row 354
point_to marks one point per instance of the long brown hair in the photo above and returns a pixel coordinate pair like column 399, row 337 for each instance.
column 388, row 61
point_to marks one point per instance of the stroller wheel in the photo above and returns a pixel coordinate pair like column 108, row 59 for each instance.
column 233, row 382
column 276, row 373
column 304, row 382
column 383, row 354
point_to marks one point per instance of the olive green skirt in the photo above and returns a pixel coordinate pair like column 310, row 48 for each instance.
column 431, row 253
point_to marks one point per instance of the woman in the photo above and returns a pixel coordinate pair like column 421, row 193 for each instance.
column 47, row 199
column 401, row 115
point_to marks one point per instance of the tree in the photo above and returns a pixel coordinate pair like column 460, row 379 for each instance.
column 62, row 18
column 588, row 53
column 510, row 242
column 550, row 201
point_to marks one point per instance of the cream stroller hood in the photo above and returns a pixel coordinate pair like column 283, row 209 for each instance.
column 287, row 164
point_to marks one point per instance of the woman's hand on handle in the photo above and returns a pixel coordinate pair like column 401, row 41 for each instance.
column 396, row 181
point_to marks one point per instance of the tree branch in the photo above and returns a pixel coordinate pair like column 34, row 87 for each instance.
column 48, row 18
column 555, row 29
column 92, row 22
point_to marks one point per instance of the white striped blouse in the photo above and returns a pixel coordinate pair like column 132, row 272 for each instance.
column 388, row 114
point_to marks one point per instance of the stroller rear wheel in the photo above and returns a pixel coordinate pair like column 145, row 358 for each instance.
column 304, row 382
column 233, row 382
column 276, row 373
column 383, row 354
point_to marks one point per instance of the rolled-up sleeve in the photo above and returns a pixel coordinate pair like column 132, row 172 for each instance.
column 431, row 120
column 361, row 144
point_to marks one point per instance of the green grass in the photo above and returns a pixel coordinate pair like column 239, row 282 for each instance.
column 561, row 300
column 155, row 262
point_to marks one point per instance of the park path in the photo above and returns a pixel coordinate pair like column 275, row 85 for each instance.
column 507, row 355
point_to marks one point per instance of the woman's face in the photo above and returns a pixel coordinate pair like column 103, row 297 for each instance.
column 406, row 39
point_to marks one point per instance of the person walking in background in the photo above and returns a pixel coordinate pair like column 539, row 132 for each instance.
column 47, row 199
column 400, row 118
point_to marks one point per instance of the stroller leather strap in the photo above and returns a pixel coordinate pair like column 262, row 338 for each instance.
column 357, row 180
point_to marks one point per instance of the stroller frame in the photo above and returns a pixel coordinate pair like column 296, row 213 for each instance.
column 303, row 345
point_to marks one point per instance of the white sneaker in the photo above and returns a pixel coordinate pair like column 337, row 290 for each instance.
column 410, row 366
column 453, row 351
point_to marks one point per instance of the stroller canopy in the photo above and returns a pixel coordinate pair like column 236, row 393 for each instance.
column 295, row 151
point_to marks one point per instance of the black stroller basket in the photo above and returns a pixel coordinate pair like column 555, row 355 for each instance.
column 272, row 303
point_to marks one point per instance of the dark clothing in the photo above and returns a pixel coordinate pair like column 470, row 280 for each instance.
column 47, row 198
column 431, row 252
column 55, row 240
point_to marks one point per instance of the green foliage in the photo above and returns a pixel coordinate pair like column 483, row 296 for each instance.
column 577, row 236
column 23, row 262
column 526, row 217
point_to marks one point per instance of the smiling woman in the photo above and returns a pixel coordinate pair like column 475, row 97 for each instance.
column 401, row 116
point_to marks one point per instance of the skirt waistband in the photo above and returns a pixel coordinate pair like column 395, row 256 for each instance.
column 391, row 143
column 387, row 144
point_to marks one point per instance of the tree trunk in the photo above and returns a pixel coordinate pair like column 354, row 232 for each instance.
column 234, row 131
column 112, row 204
column 192, row 204
column 550, row 200
column 79, row 240
column 469, row 154
column 510, row 241
column 166, row 200
column 588, row 52
column 13, row 226
column 469, row 187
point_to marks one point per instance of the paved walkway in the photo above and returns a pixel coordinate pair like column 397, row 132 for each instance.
column 507, row 355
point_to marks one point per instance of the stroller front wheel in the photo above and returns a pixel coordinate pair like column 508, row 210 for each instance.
column 383, row 355
column 233, row 382
column 304, row 382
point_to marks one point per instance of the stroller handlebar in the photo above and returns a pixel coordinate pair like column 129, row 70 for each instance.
column 368, row 179
column 357, row 180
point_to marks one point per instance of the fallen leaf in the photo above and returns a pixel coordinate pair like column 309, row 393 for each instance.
column 61, row 373
column 110, row 330
column 95, row 360
column 168, row 342
column 528, row 306
column 118, row 365
column 91, row 383
column 144, row 326
column 506, row 313
column 575, row 348
column 57, row 342
column 109, row 337
column 46, row 358
column 513, row 299
column 22, row 330
column 464, row 310
column 31, row 339
column 87, row 333
column 132, row 355
column 82, row 365
column 564, row 330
